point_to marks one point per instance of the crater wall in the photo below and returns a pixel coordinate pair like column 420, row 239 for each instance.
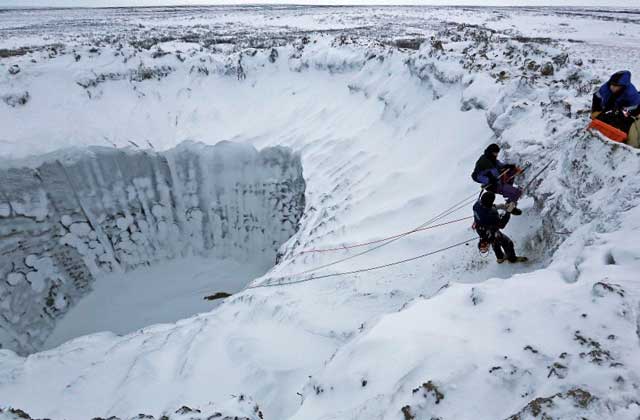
column 71, row 216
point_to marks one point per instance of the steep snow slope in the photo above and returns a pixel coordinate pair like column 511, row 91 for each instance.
column 387, row 138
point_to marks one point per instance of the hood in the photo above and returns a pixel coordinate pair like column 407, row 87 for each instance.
column 622, row 78
column 490, row 150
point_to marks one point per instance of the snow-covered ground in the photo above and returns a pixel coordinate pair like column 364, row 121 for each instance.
column 165, row 292
column 387, row 108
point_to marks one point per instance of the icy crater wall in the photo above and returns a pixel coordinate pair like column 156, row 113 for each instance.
column 74, row 215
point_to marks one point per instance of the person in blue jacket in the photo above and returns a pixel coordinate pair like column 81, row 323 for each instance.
column 617, row 102
column 488, row 223
column 497, row 177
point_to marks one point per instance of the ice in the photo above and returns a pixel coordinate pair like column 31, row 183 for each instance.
column 386, row 110
column 109, row 211
column 14, row 278
column 165, row 292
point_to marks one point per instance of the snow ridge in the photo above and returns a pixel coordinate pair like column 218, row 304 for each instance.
column 387, row 128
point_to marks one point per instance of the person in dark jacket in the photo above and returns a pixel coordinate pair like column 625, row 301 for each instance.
column 617, row 102
column 497, row 177
column 488, row 223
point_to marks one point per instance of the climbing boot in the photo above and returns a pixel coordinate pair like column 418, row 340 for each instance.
column 500, row 260
column 518, row 260
column 511, row 208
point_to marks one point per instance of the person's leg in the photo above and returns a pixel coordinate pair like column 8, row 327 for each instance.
column 497, row 249
column 495, row 244
column 633, row 138
column 507, row 244
column 508, row 191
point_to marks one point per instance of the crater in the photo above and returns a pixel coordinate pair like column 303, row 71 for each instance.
column 111, row 239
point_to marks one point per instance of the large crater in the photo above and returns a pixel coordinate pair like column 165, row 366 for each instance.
column 103, row 218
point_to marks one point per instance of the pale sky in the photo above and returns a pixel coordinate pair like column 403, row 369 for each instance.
column 106, row 3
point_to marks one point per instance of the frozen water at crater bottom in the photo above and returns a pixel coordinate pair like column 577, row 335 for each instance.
column 165, row 292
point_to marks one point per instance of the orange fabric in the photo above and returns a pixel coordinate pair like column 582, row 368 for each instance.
column 608, row 131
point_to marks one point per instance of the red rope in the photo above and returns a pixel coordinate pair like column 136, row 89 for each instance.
column 361, row 270
column 409, row 232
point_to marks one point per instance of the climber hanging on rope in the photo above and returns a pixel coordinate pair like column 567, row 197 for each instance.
column 497, row 177
column 615, row 109
column 488, row 223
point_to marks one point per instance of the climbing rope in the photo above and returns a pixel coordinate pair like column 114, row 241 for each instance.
column 358, row 245
column 458, row 206
column 454, row 208
column 420, row 228
column 544, row 168
column 386, row 241
column 361, row 270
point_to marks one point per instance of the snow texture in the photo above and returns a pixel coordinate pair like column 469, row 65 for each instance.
column 388, row 108
column 83, row 213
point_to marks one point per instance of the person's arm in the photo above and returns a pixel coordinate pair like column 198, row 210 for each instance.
column 504, row 219
column 508, row 167
column 633, row 111
column 482, row 172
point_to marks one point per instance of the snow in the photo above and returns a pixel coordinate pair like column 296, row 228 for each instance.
column 386, row 139
column 533, row 310
column 15, row 278
column 107, row 211
column 163, row 293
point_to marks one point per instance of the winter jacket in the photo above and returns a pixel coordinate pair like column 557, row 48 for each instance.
column 488, row 219
column 627, row 100
column 488, row 169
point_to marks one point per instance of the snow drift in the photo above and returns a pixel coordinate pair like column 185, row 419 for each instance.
column 388, row 119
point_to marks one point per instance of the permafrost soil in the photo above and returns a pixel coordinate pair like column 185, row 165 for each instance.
column 376, row 115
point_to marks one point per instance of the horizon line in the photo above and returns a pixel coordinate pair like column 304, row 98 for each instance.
column 319, row 5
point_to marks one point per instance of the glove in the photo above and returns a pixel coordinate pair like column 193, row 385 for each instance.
column 510, row 206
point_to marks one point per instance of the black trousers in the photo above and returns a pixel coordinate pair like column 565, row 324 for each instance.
column 503, row 245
